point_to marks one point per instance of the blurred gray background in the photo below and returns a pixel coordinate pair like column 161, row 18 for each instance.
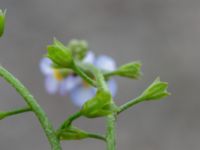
column 163, row 34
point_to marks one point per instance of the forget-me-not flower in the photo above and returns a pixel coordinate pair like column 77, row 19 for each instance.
column 78, row 90
column 55, row 81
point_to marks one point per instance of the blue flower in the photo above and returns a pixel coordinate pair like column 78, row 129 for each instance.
column 54, row 80
column 83, row 92
column 78, row 89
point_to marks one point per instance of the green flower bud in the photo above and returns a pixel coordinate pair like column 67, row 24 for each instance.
column 100, row 105
column 130, row 70
column 59, row 54
column 155, row 91
column 2, row 21
column 71, row 133
column 79, row 48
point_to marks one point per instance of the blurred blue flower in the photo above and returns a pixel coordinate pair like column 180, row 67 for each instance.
column 78, row 89
column 83, row 92
column 55, row 81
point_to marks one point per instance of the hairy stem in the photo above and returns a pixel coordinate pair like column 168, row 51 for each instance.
column 109, row 74
column 110, row 135
column 32, row 103
column 100, row 81
column 96, row 136
column 14, row 112
column 69, row 121
column 83, row 75
column 111, row 119
column 129, row 104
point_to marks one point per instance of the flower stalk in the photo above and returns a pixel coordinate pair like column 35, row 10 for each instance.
column 6, row 114
column 111, row 135
column 69, row 121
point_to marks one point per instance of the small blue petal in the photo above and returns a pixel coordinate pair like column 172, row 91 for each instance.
column 69, row 84
column 89, row 58
column 45, row 66
column 81, row 94
column 112, row 85
column 51, row 84
column 105, row 63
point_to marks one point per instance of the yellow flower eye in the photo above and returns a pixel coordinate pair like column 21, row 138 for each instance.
column 57, row 74
column 85, row 84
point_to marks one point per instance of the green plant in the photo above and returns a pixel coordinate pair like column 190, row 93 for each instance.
column 65, row 64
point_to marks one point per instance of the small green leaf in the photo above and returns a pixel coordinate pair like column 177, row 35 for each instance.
column 79, row 48
column 155, row 91
column 71, row 133
column 131, row 70
column 100, row 105
column 2, row 21
column 60, row 54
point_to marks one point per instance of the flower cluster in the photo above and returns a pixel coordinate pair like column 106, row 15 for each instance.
column 67, row 82
column 87, row 79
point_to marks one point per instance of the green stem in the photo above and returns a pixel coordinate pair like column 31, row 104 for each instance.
column 96, row 136
column 110, row 135
column 129, row 104
column 14, row 112
column 111, row 119
column 83, row 75
column 69, row 121
column 109, row 74
column 100, row 81
column 32, row 103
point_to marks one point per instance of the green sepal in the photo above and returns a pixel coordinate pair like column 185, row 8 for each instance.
column 59, row 54
column 155, row 91
column 2, row 22
column 100, row 105
column 71, row 133
column 79, row 48
column 131, row 70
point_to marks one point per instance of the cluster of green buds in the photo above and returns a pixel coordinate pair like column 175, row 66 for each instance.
column 69, row 57
column 79, row 48
column 64, row 56
column 102, row 104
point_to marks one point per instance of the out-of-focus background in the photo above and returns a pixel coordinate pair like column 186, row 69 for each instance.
column 163, row 34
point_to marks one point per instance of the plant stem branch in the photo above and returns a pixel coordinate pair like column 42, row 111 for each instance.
column 100, row 81
column 129, row 104
column 15, row 112
column 69, row 121
column 96, row 136
column 109, row 74
column 32, row 103
column 83, row 75
column 111, row 135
